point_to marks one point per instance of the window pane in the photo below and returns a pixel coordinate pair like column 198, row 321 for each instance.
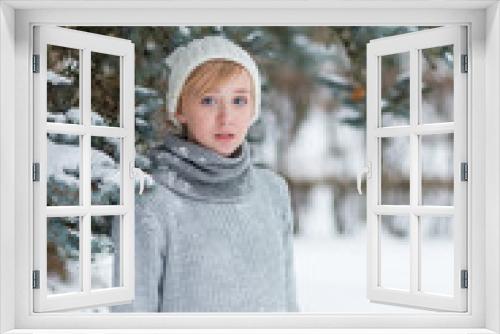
column 437, row 84
column 395, row 89
column 437, row 169
column 63, row 253
column 436, row 235
column 105, row 170
column 394, row 252
column 395, row 170
column 63, row 86
column 105, row 246
column 63, row 169
column 105, row 89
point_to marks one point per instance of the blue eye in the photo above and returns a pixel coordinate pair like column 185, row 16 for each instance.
column 207, row 100
column 242, row 98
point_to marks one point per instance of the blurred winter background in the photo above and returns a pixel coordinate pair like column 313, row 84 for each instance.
column 312, row 131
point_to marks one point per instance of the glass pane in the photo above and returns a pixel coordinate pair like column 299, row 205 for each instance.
column 105, row 89
column 105, row 256
column 437, row 84
column 436, row 235
column 395, row 89
column 63, row 169
column 63, row 85
column 394, row 252
column 105, row 170
column 437, row 169
column 63, row 252
column 395, row 170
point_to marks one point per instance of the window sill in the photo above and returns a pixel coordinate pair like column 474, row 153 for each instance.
column 259, row 331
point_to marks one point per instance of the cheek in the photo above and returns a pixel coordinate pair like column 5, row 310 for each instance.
column 251, row 110
column 201, row 124
column 248, row 115
column 196, row 114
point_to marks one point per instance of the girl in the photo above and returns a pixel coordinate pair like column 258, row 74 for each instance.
column 215, row 233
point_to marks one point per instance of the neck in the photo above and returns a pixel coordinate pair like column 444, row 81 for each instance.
column 200, row 173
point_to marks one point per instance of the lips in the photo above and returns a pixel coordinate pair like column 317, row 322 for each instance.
column 224, row 136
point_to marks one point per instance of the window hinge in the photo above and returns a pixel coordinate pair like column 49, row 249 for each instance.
column 36, row 171
column 465, row 66
column 36, row 63
column 464, row 279
column 36, row 279
column 464, row 168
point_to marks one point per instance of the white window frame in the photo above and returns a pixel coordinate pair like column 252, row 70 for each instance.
column 85, row 43
column 413, row 44
column 16, row 217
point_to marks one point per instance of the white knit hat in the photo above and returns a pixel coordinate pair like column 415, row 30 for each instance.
column 184, row 59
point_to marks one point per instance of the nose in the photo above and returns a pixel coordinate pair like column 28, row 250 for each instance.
column 224, row 112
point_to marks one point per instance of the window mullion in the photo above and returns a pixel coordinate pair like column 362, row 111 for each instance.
column 414, row 173
column 86, row 172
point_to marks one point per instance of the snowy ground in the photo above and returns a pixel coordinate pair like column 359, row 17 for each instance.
column 331, row 274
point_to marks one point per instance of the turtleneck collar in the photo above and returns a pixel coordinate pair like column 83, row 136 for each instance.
column 194, row 171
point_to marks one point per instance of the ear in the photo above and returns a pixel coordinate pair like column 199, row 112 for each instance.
column 181, row 117
column 178, row 113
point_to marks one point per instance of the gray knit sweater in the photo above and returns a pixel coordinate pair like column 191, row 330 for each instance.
column 213, row 235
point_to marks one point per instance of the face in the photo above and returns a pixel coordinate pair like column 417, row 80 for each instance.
column 219, row 119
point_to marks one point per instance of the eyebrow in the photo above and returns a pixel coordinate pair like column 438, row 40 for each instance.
column 242, row 90
column 239, row 90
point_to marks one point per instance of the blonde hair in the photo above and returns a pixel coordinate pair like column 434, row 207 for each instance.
column 208, row 76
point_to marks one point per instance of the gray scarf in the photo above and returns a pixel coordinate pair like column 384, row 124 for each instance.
column 200, row 173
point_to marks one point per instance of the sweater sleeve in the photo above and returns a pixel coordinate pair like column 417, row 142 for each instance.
column 149, row 258
column 288, row 247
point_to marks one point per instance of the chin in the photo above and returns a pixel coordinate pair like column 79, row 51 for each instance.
column 227, row 149
column 227, row 152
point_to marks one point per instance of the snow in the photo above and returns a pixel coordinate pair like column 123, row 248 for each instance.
column 310, row 144
column 331, row 274
column 319, row 206
column 102, row 270
column 319, row 135
column 255, row 34
column 60, row 158
column 97, row 119
column 72, row 115
column 56, row 79
column 317, row 49
column 331, row 270
column 183, row 150
column 64, row 157
column 56, row 286
column 141, row 110
column 186, row 31
column 335, row 78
